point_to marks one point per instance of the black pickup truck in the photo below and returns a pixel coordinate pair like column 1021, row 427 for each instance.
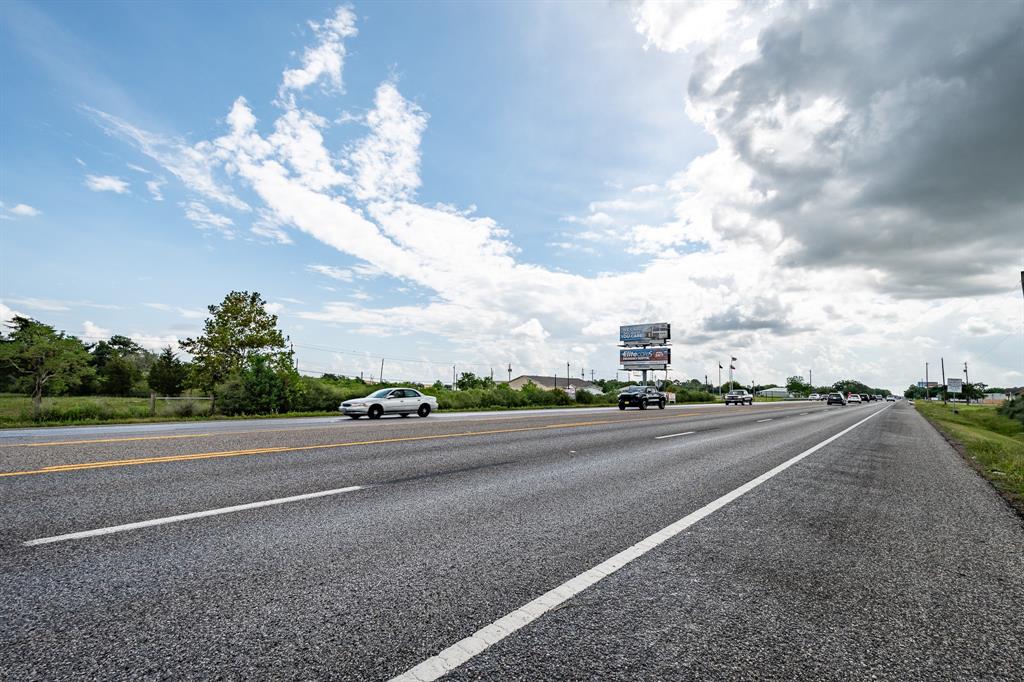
column 642, row 397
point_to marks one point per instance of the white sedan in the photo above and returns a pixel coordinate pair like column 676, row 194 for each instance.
column 400, row 401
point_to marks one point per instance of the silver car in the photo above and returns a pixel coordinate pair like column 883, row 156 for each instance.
column 401, row 401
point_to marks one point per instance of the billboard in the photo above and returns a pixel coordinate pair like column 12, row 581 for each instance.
column 645, row 334
column 930, row 384
column 645, row 358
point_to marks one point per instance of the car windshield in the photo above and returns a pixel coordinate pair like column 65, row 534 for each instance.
column 634, row 389
column 382, row 393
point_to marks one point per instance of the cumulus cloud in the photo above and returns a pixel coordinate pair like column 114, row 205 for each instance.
column 25, row 210
column 879, row 136
column 17, row 211
column 92, row 332
column 106, row 183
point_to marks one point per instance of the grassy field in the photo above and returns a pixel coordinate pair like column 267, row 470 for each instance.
column 994, row 443
column 16, row 410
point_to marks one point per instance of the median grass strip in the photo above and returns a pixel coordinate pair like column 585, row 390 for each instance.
column 994, row 444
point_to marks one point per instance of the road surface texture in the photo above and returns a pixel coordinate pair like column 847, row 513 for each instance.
column 774, row 541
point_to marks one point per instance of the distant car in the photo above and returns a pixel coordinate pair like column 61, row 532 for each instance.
column 401, row 401
column 854, row 398
column 890, row 398
column 814, row 396
column 739, row 397
column 864, row 398
column 642, row 397
column 835, row 399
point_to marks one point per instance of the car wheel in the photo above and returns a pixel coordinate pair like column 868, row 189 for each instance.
column 375, row 412
column 661, row 404
column 622, row 406
column 643, row 405
column 424, row 410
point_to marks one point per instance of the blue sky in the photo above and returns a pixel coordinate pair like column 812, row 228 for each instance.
column 563, row 151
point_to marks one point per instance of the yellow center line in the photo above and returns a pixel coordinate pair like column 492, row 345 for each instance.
column 57, row 468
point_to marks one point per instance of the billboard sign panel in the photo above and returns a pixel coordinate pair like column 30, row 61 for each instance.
column 645, row 358
column 645, row 334
column 955, row 385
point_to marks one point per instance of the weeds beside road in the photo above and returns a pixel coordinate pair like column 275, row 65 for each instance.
column 994, row 443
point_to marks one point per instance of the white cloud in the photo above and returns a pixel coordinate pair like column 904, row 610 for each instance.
column 722, row 248
column 327, row 58
column 205, row 219
column 155, row 188
column 193, row 165
column 340, row 274
column 93, row 332
column 106, row 183
column 155, row 342
column 138, row 169
column 269, row 227
column 387, row 161
column 25, row 210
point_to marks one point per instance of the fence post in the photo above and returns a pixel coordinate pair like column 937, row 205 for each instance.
column 152, row 403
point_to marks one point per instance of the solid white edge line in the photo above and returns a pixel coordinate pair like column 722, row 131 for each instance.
column 465, row 649
column 187, row 517
column 763, row 420
column 673, row 435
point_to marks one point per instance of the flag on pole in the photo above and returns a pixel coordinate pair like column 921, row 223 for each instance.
column 720, row 366
column 734, row 360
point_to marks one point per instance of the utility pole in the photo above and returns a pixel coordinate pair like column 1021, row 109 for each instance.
column 567, row 376
column 927, row 391
column 453, row 378
column 492, row 375
column 967, row 381
column 382, row 370
column 591, row 376
column 295, row 360
column 810, row 378
column 945, row 392
column 510, row 372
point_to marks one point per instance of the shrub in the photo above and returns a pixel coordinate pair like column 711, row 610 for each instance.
column 584, row 397
column 1014, row 409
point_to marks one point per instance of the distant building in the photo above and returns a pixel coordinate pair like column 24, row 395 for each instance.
column 551, row 383
column 774, row 393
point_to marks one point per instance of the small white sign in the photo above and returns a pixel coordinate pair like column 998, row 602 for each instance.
column 955, row 386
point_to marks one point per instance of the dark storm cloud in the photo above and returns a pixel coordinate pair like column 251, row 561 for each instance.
column 922, row 171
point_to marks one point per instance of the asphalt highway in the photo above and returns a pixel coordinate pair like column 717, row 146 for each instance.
column 774, row 541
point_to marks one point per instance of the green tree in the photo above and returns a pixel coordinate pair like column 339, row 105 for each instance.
column 168, row 373
column 119, row 376
column 260, row 388
column 47, row 361
column 238, row 331
column 797, row 386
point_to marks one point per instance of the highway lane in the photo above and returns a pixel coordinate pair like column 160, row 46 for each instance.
column 250, row 426
column 452, row 532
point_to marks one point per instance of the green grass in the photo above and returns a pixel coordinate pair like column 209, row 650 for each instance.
column 994, row 442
